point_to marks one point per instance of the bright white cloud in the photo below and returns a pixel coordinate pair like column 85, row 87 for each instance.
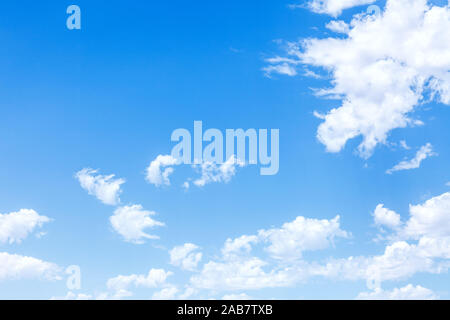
column 386, row 67
column 424, row 152
column 239, row 245
column 211, row 172
column 335, row 7
column 431, row 219
column 16, row 226
column 185, row 256
column 248, row 274
column 160, row 169
column 131, row 221
column 293, row 238
column 17, row 267
column 154, row 279
column 105, row 188
column 386, row 217
column 409, row 292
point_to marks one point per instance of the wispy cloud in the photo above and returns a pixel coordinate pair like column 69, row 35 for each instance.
column 424, row 152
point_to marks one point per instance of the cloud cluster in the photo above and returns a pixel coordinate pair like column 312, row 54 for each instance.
column 385, row 67
column 16, row 226
column 105, row 188
column 212, row 172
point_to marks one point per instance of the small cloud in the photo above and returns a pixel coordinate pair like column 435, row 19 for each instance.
column 424, row 152
column 105, row 188
column 160, row 169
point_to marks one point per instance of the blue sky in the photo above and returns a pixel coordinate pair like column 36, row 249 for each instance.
column 109, row 96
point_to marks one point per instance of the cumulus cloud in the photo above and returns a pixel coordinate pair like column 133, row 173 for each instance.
column 335, row 7
column 236, row 270
column 16, row 226
column 293, row 238
column 185, row 256
column 386, row 67
column 105, row 188
column 17, row 267
column 122, row 284
column 131, row 221
column 386, row 217
column 212, row 172
column 430, row 219
column 409, row 292
column 160, row 169
column 424, row 152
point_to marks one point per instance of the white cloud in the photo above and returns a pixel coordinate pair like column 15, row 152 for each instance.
column 424, row 152
column 239, row 245
column 168, row 293
column 409, row 292
column 238, row 271
column 160, row 169
column 121, row 284
column 338, row 26
column 293, row 238
column 105, row 188
column 386, row 217
column 404, row 145
column 335, row 7
column 131, row 221
column 282, row 68
column 17, row 267
column 431, row 219
column 211, row 172
column 386, row 67
column 16, row 226
column 248, row 274
column 185, row 256
column 241, row 296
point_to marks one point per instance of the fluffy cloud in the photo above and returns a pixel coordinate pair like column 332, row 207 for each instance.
column 154, row 279
column 16, row 226
column 335, row 7
column 17, row 267
column 238, row 271
column 293, row 238
column 211, row 172
column 160, row 169
column 409, row 292
column 386, row 217
column 247, row 274
column 431, row 219
column 185, row 256
column 424, row 152
column 104, row 188
column 131, row 221
column 386, row 67
column 338, row 26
